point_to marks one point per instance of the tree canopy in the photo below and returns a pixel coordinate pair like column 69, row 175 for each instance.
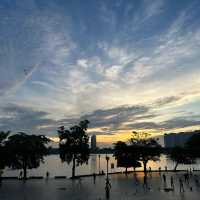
column 125, row 156
column 74, row 145
column 181, row 155
column 26, row 151
column 145, row 147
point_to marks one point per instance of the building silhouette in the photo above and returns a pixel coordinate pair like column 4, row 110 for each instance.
column 93, row 142
column 177, row 139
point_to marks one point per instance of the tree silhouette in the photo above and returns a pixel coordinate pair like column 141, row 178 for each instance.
column 181, row 155
column 146, row 148
column 74, row 145
column 3, row 149
column 26, row 151
column 125, row 156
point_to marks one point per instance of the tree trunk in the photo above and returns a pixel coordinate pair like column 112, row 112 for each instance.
column 176, row 166
column 73, row 167
column 145, row 166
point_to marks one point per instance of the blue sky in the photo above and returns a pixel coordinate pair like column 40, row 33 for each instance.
column 125, row 65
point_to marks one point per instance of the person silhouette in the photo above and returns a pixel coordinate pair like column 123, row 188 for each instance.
column 47, row 175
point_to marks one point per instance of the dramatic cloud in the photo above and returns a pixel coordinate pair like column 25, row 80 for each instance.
column 122, row 64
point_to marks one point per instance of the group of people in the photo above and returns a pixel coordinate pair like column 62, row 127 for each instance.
column 184, row 180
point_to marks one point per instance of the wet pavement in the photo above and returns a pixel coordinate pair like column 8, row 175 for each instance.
column 122, row 188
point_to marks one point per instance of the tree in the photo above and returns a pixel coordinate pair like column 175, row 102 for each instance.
column 3, row 149
column 26, row 151
column 73, row 145
column 180, row 155
column 125, row 156
column 146, row 148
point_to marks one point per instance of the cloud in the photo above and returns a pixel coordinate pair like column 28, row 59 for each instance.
column 132, row 53
column 179, row 123
column 166, row 100
column 114, row 116
column 18, row 118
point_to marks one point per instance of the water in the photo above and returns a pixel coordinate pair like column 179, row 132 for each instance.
column 57, row 168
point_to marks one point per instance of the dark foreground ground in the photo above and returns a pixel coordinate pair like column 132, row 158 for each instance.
column 123, row 188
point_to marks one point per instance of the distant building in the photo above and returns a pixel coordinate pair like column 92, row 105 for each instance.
column 93, row 142
column 177, row 139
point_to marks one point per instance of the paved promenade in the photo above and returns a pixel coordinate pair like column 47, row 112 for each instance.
column 122, row 188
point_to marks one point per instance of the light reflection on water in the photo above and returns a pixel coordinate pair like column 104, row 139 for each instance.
column 57, row 168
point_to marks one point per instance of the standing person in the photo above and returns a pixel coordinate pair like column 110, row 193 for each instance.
column 107, row 189
column 181, row 185
column 149, row 169
column 47, row 175
column 94, row 178
column 172, row 182
column 150, row 172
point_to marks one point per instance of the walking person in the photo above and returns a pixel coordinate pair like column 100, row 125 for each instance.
column 150, row 172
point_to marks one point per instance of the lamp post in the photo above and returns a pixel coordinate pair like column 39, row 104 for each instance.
column 108, row 185
column 99, row 164
column 107, row 160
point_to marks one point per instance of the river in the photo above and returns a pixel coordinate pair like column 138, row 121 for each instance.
column 55, row 167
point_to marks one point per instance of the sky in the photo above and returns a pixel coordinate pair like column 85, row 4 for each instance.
column 126, row 66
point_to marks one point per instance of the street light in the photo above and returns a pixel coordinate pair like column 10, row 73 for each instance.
column 99, row 164
column 107, row 160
